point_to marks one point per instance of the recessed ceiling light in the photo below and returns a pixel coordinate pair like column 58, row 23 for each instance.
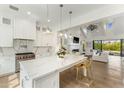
column 48, row 20
column 28, row 12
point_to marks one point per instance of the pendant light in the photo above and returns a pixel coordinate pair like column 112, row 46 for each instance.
column 70, row 16
column 48, row 20
column 61, row 34
column 61, row 6
column 48, row 30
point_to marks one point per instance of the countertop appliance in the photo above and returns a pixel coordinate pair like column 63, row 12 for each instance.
column 23, row 57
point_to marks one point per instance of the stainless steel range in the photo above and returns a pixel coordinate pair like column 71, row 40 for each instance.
column 23, row 57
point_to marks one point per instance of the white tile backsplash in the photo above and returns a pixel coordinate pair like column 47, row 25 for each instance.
column 7, row 52
column 21, row 46
column 42, row 51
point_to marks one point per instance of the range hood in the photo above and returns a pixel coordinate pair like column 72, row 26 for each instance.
column 23, row 45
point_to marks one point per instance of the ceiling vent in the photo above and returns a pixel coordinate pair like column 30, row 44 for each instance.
column 92, row 27
column 13, row 8
column 6, row 21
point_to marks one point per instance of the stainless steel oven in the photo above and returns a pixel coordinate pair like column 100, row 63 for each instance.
column 23, row 57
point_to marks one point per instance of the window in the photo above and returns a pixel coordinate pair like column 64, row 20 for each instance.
column 97, row 45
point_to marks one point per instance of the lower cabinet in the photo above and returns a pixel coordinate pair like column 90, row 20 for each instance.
column 49, row 81
column 7, row 65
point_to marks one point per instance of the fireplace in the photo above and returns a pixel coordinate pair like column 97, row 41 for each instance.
column 75, row 50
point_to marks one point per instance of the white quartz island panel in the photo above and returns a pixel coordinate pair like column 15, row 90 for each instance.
column 46, row 67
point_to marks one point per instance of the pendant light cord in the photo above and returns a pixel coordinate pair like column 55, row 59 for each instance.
column 47, row 12
column 70, row 13
column 47, row 15
column 61, row 6
column 48, row 20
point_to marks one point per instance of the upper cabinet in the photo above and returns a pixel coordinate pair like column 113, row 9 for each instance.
column 45, row 39
column 24, row 29
column 15, row 27
column 38, row 41
column 6, row 31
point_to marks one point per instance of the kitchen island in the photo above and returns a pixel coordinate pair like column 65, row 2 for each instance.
column 44, row 72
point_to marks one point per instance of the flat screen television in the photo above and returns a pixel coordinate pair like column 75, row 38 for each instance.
column 75, row 40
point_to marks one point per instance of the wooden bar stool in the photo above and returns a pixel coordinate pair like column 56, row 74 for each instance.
column 78, row 67
column 87, row 74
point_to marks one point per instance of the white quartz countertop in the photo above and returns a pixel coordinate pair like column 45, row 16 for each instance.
column 46, row 65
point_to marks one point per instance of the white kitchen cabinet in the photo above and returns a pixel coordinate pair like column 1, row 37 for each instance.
column 7, row 65
column 24, row 29
column 44, row 39
column 6, row 31
column 49, row 81
column 31, row 30
column 47, row 39
column 38, row 41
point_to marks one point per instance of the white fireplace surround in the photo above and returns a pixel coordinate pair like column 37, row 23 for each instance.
column 73, row 46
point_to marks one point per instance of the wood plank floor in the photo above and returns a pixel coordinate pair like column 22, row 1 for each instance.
column 10, row 81
column 109, row 75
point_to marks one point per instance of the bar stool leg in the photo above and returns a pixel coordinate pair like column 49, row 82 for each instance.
column 91, row 77
column 77, row 73
column 85, row 72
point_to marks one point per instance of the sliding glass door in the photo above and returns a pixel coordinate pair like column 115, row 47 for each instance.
column 114, row 47
column 122, row 47
column 97, row 45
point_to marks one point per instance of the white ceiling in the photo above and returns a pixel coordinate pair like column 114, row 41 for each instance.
column 39, row 11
